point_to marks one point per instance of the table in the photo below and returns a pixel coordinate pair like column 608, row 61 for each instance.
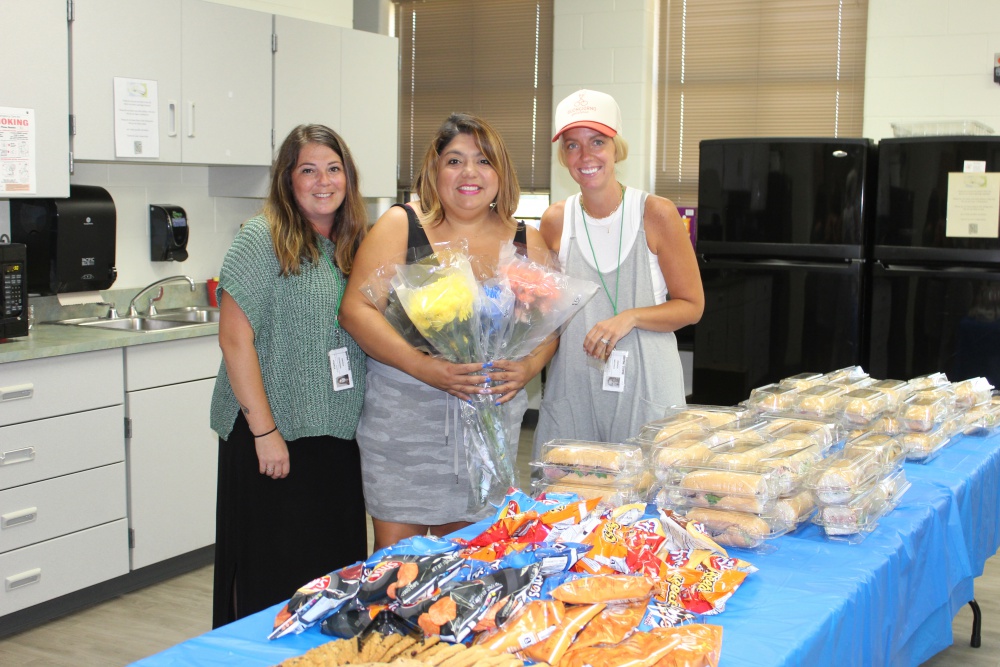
column 887, row 601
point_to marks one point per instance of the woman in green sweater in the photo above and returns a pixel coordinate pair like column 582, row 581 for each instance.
column 290, row 389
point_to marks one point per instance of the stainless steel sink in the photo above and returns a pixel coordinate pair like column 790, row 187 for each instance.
column 193, row 314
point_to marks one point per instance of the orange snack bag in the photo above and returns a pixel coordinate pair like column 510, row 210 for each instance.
column 531, row 625
column 604, row 588
column 684, row 646
column 552, row 649
column 612, row 625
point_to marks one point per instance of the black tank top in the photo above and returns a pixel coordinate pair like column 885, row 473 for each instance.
column 418, row 245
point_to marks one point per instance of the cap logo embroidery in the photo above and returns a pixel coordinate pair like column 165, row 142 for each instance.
column 581, row 106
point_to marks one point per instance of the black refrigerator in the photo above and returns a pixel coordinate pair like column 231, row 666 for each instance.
column 936, row 258
column 783, row 229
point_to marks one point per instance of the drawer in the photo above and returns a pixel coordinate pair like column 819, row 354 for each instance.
column 37, row 512
column 47, row 448
column 41, row 388
column 50, row 569
column 171, row 362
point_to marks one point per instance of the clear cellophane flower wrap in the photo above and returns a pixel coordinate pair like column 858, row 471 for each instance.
column 545, row 300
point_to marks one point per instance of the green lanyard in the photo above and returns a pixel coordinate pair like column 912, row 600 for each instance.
column 614, row 302
column 336, row 279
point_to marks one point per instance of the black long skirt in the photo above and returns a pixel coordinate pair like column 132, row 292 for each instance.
column 274, row 536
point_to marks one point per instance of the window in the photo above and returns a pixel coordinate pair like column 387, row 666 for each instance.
column 488, row 57
column 754, row 68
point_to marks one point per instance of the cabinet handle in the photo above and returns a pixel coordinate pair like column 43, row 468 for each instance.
column 14, row 392
column 171, row 118
column 24, row 579
column 13, row 456
column 190, row 119
column 20, row 517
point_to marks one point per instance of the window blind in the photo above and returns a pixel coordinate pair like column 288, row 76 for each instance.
column 754, row 68
column 492, row 58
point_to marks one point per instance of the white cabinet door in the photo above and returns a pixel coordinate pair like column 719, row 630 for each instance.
column 306, row 76
column 369, row 108
column 172, row 462
column 139, row 39
column 34, row 49
column 226, row 65
column 211, row 64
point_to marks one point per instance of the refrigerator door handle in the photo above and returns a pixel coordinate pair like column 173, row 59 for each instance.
column 843, row 262
column 970, row 272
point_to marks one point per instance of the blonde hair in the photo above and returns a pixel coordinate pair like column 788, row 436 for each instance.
column 292, row 234
column 621, row 149
column 489, row 141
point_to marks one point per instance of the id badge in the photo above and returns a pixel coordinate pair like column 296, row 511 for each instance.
column 340, row 369
column 614, row 371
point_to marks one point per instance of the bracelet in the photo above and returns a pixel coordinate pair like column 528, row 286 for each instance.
column 268, row 433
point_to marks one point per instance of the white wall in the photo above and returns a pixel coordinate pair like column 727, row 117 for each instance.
column 607, row 45
column 931, row 60
column 334, row 12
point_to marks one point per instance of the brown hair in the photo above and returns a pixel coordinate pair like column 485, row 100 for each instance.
column 293, row 236
column 489, row 141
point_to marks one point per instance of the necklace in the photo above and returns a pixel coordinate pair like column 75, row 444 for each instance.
column 603, row 217
column 618, row 268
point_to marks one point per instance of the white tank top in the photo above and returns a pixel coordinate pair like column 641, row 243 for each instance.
column 604, row 236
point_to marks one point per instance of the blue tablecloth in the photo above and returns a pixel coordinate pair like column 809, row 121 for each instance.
column 887, row 601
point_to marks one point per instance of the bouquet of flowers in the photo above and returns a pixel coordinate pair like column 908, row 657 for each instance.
column 438, row 306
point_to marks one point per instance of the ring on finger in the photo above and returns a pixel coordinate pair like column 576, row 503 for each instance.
column 605, row 341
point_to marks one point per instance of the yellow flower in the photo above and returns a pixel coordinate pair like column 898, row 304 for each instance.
column 432, row 307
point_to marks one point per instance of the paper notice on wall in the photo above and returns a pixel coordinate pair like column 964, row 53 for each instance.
column 137, row 123
column 17, row 151
column 973, row 205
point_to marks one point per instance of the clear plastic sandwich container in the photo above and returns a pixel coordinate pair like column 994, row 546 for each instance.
column 715, row 415
column 668, row 457
column 853, row 521
column 725, row 489
column 604, row 457
column 615, row 495
column 676, row 423
column 925, row 446
column 827, row 432
column 745, row 429
column 792, row 466
column 853, row 377
column 896, row 390
column 924, row 410
column 972, row 392
column 863, row 406
column 821, row 400
column 730, row 528
column 574, row 474
column 982, row 420
column 888, row 448
column 801, row 381
column 772, row 398
column 845, row 475
column 928, row 381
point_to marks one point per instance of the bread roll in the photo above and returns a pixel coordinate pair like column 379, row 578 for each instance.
column 739, row 456
column 846, row 476
column 861, row 406
column 599, row 456
column 733, row 529
column 773, row 398
column 682, row 449
column 923, row 410
column 802, row 381
column 682, row 424
column 794, row 510
column 971, row 392
column 726, row 482
column 928, row 381
column 896, row 390
column 887, row 448
column 716, row 417
column 821, row 400
column 921, row 446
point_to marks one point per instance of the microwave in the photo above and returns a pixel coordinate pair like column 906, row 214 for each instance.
column 14, row 293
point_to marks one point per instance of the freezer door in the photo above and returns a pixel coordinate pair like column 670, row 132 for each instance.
column 927, row 319
column 768, row 319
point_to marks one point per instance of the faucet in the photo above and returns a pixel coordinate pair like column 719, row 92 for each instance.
column 112, row 312
column 132, row 312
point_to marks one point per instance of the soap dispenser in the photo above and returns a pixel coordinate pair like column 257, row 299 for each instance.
column 168, row 233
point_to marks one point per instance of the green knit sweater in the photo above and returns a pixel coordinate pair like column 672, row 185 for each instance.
column 294, row 330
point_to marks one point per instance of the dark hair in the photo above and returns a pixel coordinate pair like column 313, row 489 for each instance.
column 489, row 141
column 293, row 235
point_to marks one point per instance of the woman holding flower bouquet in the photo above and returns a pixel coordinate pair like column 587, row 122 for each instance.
column 289, row 495
column 411, row 437
column 617, row 365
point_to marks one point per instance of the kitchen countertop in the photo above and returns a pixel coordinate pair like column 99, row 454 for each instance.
column 54, row 340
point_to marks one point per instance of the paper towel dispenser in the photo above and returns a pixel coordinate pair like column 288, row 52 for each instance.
column 168, row 233
column 70, row 242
